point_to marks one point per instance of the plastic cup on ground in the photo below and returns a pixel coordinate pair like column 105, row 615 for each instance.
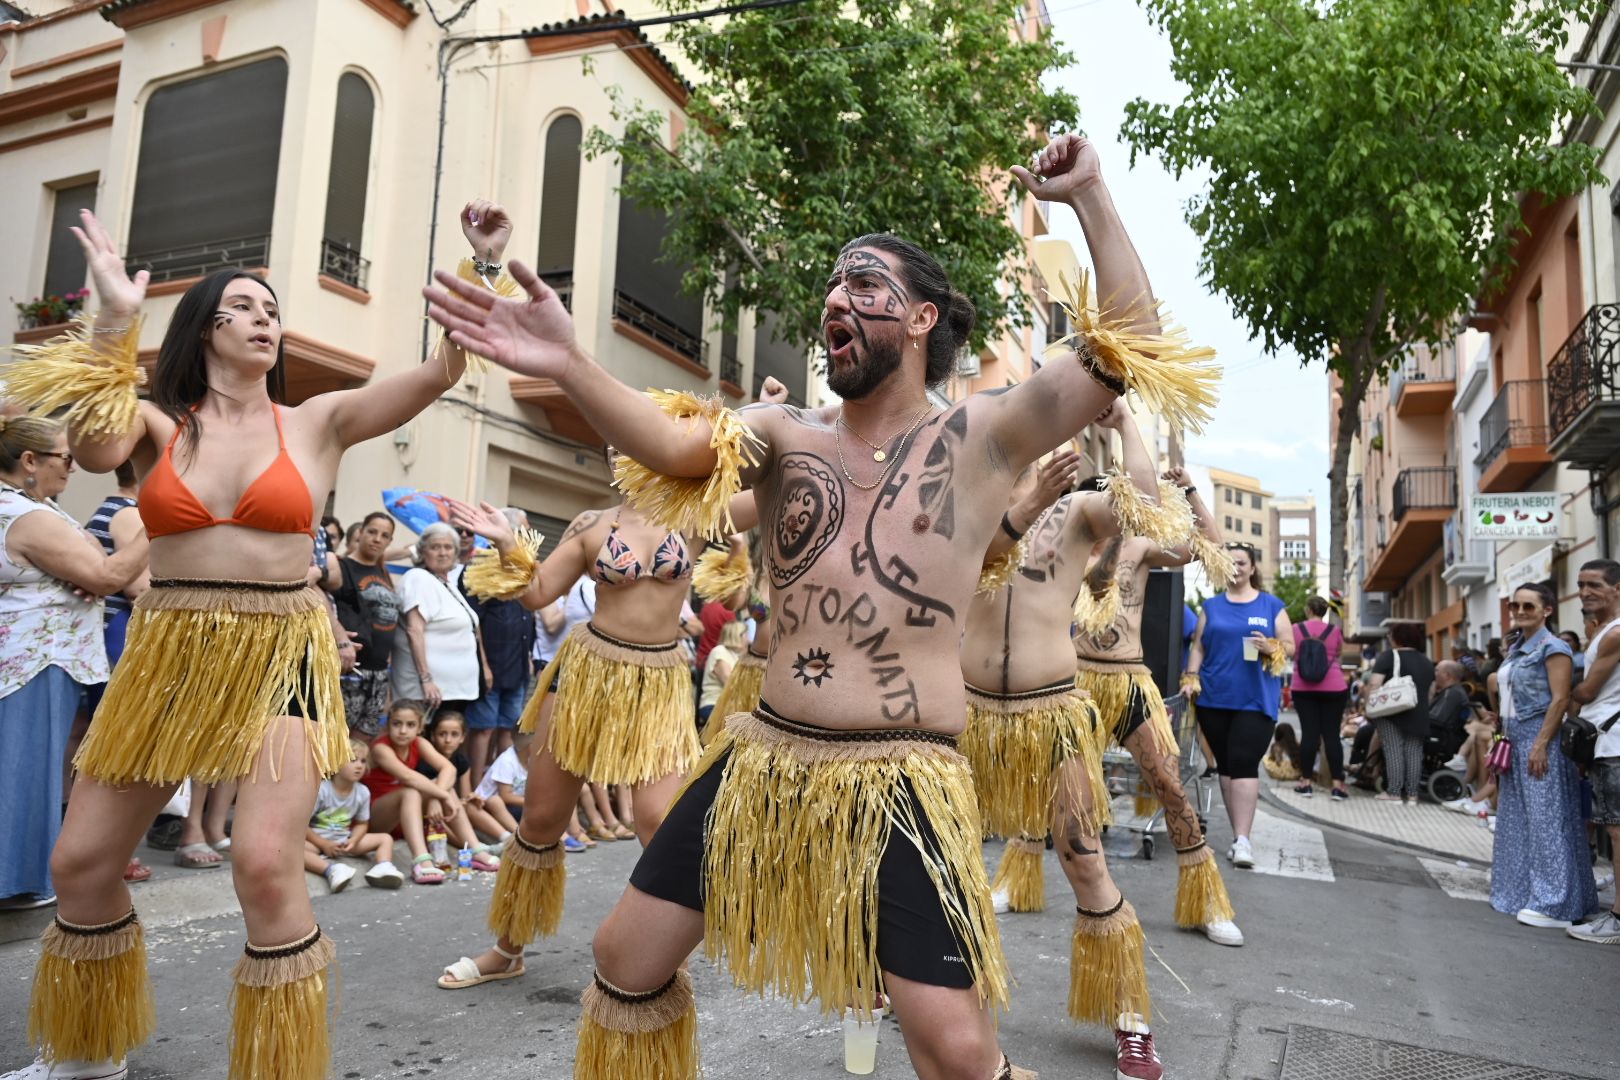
column 860, row 1045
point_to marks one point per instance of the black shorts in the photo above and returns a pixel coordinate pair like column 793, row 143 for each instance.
column 1136, row 714
column 915, row 939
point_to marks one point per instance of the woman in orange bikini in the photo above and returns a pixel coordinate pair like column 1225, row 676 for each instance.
column 231, row 671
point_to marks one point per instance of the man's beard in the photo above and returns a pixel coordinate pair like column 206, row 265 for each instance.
column 859, row 379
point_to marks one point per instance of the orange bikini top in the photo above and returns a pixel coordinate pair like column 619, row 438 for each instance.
column 277, row 501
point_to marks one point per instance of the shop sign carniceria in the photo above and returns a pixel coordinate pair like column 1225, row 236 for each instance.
column 1522, row 515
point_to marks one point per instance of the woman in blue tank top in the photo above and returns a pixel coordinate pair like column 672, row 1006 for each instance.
column 1241, row 634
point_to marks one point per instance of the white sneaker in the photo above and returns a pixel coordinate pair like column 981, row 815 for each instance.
column 1603, row 930
column 1242, row 854
column 338, row 877
column 1602, row 878
column 70, row 1070
column 1223, row 932
column 1002, row 901
column 385, row 875
column 1531, row 917
column 1458, row 763
column 1466, row 805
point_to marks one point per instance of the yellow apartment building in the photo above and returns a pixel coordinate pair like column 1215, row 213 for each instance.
column 317, row 140
column 1242, row 509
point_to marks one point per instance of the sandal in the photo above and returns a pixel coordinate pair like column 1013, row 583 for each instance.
column 622, row 833
column 482, row 860
column 600, row 832
column 464, row 972
column 136, row 871
column 423, row 872
column 198, row 857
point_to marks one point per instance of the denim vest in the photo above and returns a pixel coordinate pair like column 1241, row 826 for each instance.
column 1532, row 693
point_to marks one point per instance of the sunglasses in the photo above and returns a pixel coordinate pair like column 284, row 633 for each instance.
column 1530, row 607
column 67, row 458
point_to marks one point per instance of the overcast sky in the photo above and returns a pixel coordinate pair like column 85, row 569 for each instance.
column 1272, row 419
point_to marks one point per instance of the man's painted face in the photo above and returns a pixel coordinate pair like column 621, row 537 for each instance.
column 863, row 322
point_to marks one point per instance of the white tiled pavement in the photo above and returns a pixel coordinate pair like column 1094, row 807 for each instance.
column 1423, row 824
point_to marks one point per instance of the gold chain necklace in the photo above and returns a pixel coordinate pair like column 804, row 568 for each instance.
column 838, row 445
column 877, row 447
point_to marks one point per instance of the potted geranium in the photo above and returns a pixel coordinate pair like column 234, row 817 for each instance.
column 50, row 310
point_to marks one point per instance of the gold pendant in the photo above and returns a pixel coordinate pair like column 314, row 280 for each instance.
column 878, row 455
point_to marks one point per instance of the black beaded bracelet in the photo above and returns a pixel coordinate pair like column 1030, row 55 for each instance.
column 1107, row 379
column 1007, row 527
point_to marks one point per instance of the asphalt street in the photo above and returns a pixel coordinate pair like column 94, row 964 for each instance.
column 1361, row 959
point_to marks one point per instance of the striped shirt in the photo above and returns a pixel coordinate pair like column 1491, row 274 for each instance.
column 100, row 527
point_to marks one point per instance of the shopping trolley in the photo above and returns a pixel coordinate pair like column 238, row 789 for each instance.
column 1125, row 778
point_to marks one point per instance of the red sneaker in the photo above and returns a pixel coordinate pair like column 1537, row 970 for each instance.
column 1134, row 1056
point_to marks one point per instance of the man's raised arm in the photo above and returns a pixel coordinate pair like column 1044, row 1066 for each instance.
column 1118, row 346
column 534, row 336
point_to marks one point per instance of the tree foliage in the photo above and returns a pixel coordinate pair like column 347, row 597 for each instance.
column 1293, row 586
column 813, row 124
column 1366, row 161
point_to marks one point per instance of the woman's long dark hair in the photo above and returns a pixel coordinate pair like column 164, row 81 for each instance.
column 181, row 379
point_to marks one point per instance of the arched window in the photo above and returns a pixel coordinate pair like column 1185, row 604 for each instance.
column 205, row 180
column 346, row 182
column 559, row 205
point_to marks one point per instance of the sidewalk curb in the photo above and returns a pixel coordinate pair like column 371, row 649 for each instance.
column 1433, row 853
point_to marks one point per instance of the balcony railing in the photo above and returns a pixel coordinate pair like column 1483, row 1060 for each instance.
column 1518, row 417
column 189, row 262
column 1583, row 389
column 340, row 262
column 562, row 283
column 1432, row 487
column 632, row 312
column 730, row 369
column 1428, row 367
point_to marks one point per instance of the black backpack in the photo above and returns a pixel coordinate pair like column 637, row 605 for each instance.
column 1311, row 660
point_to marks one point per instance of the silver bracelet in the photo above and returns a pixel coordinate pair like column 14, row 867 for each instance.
column 486, row 269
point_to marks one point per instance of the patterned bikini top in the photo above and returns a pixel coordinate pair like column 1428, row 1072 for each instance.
column 616, row 564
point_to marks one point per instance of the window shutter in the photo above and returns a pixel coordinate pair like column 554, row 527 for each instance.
column 350, row 170
column 559, row 197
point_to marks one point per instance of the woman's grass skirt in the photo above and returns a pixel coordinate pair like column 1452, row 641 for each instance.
column 739, row 695
column 794, row 839
column 624, row 712
column 207, row 666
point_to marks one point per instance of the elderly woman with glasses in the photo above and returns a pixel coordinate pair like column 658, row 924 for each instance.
column 1541, row 871
column 440, row 655
column 53, row 645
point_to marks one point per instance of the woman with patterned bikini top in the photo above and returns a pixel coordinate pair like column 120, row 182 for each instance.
column 223, row 678
column 623, row 712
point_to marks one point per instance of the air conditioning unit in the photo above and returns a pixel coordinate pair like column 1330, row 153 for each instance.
column 967, row 364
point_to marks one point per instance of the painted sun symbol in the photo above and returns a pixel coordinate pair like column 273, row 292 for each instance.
column 813, row 666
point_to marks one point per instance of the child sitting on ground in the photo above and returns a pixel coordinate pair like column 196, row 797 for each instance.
column 504, row 782
column 447, row 732
column 1281, row 761
column 402, row 797
column 340, row 827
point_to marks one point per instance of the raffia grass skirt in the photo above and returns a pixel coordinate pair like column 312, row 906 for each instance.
column 206, row 667
column 624, row 712
column 739, row 695
column 1018, row 744
column 1111, row 685
column 795, row 834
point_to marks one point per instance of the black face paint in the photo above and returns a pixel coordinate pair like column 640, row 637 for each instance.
column 222, row 319
column 876, row 296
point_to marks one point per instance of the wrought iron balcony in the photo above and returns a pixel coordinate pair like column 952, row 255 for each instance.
column 730, row 369
column 632, row 312
column 562, row 283
column 1432, row 487
column 340, row 262
column 1423, row 385
column 1583, row 391
column 1513, row 436
column 199, row 259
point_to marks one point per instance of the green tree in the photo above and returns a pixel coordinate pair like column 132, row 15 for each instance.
column 815, row 123
column 1366, row 159
column 1293, row 587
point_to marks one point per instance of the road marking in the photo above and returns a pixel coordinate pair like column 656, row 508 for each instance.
column 1466, row 882
column 1286, row 848
column 1332, row 1003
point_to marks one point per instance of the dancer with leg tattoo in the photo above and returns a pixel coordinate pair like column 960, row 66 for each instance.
column 1133, row 715
column 222, row 679
column 862, row 698
column 1030, row 740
